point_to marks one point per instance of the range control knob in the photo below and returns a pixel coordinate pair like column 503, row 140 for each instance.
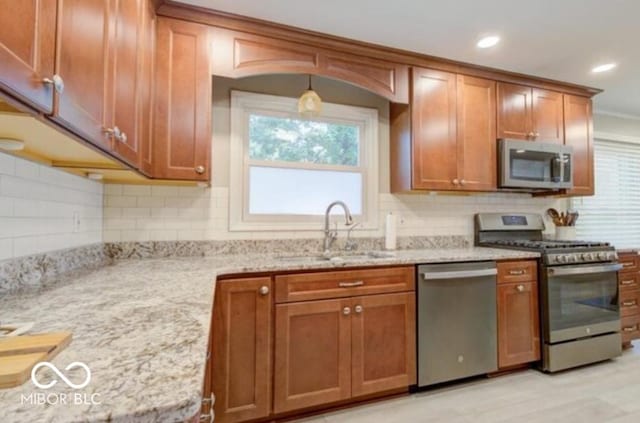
column 563, row 258
column 602, row 256
column 612, row 256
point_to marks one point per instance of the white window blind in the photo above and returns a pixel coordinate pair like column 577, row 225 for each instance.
column 613, row 213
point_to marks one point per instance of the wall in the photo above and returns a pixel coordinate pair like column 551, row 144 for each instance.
column 608, row 124
column 141, row 213
column 37, row 204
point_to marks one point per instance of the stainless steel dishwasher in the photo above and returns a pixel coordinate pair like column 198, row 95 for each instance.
column 456, row 321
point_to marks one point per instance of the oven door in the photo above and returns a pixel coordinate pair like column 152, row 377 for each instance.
column 580, row 301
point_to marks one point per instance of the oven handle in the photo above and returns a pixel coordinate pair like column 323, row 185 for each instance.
column 583, row 270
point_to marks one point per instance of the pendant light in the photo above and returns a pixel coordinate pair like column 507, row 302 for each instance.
column 309, row 104
column 11, row 144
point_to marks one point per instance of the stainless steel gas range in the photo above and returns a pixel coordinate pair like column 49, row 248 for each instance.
column 579, row 308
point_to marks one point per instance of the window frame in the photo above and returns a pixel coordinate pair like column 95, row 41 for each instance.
column 243, row 104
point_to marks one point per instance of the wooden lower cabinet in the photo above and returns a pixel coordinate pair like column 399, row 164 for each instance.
column 629, row 288
column 241, row 349
column 333, row 350
column 383, row 349
column 312, row 354
column 518, row 321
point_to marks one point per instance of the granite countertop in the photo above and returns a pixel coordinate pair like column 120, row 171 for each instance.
column 142, row 328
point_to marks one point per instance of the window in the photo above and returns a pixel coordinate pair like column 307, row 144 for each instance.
column 613, row 213
column 286, row 169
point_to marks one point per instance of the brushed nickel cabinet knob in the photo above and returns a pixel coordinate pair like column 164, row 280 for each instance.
column 56, row 81
column 200, row 170
column 346, row 311
column 264, row 290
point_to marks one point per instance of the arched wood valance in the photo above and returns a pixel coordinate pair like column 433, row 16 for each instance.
column 237, row 55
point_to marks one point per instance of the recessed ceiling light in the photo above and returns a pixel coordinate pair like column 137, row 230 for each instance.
column 11, row 144
column 489, row 41
column 603, row 68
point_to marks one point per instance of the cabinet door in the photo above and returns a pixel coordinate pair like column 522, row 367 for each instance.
column 547, row 116
column 124, row 107
column 146, row 88
column 578, row 132
column 434, row 130
column 384, row 343
column 27, row 48
column 182, row 133
column 477, row 168
column 518, row 324
column 241, row 358
column 514, row 111
column 312, row 354
column 83, row 47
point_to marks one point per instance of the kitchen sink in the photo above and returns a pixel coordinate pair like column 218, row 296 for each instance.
column 339, row 258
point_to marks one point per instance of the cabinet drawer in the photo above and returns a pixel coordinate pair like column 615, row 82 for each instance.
column 343, row 283
column 629, row 281
column 517, row 271
column 630, row 328
column 629, row 263
column 629, row 302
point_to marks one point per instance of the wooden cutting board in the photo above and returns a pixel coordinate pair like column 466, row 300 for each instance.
column 18, row 355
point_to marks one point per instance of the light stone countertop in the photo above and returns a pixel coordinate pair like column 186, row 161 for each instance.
column 142, row 328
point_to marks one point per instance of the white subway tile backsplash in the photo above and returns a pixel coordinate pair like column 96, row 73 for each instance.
column 120, row 201
column 7, row 164
column 136, row 190
column 37, row 204
column 154, row 202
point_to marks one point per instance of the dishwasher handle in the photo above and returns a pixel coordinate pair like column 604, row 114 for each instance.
column 457, row 274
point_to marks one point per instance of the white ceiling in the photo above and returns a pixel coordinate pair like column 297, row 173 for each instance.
column 558, row 39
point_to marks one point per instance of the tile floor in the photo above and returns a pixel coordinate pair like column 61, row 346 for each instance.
column 600, row 393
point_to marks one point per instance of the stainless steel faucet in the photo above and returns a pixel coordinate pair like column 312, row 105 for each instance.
column 329, row 235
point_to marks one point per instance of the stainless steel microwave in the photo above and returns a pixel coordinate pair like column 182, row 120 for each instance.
column 535, row 165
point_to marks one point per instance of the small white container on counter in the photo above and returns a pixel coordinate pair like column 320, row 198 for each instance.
column 565, row 233
column 390, row 232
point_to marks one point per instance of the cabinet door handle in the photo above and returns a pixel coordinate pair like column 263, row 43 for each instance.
column 358, row 309
column 517, row 272
column 199, row 170
column 346, row 311
column 627, row 282
column 123, row 138
column 630, row 328
column 264, row 290
column 56, row 81
column 350, row 284
column 456, row 181
column 530, row 135
column 629, row 303
column 536, row 135
column 462, row 182
column 520, row 288
column 113, row 132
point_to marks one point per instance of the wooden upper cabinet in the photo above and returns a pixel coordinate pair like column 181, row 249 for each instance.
column 527, row 113
column 241, row 349
column 476, row 133
column 547, row 117
column 27, row 49
column 83, row 47
column 123, row 109
column 147, row 57
column 237, row 55
column 514, row 111
column 182, row 133
column 578, row 133
column 383, row 351
column 446, row 138
column 312, row 354
column 433, row 127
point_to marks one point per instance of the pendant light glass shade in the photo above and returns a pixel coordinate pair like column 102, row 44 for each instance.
column 11, row 144
column 310, row 103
